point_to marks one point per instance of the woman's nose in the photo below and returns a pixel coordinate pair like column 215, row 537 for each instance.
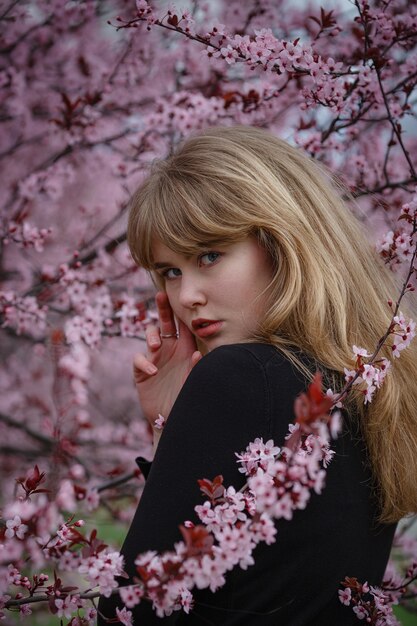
column 191, row 293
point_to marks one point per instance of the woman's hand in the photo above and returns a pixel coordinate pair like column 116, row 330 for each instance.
column 161, row 372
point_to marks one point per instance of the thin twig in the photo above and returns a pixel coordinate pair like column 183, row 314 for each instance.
column 44, row 439
column 117, row 481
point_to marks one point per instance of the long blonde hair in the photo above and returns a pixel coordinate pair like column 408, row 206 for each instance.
column 329, row 291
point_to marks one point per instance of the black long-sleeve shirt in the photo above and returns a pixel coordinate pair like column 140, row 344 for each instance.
column 233, row 395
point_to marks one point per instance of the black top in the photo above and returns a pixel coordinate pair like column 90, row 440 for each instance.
column 233, row 395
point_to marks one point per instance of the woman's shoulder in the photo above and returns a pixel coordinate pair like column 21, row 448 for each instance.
column 261, row 353
column 247, row 357
column 246, row 370
column 235, row 365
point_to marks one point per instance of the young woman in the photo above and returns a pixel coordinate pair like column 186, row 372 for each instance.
column 264, row 278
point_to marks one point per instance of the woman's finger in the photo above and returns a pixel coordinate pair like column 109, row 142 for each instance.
column 153, row 338
column 166, row 315
column 195, row 358
column 142, row 368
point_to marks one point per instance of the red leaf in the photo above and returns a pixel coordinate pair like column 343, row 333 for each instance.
column 212, row 488
column 312, row 405
column 34, row 479
column 198, row 540
column 173, row 20
column 327, row 19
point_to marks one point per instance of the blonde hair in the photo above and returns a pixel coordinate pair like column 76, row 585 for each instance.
column 330, row 290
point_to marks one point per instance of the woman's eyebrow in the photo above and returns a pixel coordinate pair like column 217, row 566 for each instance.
column 160, row 266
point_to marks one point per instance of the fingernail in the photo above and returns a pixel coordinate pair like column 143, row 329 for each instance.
column 154, row 341
column 151, row 369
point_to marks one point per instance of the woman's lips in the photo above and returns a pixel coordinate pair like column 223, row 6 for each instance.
column 205, row 328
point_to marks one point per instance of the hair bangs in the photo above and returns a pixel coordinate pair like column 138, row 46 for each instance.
column 182, row 213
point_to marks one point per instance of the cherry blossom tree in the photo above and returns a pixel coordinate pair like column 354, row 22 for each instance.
column 90, row 93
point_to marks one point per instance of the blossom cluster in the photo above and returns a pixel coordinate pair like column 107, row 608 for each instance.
column 371, row 604
column 23, row 314
column 27, row 235
column 341, row 87
column 371, row 374
column 35, row 529
column 398, row 246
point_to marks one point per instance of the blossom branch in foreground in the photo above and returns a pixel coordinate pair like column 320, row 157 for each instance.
column 279, row 481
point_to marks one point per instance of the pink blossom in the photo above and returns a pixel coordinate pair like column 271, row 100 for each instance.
column 23, row 314
column 131, row 595
column 66, row 497
column 187, row 601
column 345, row 596
column 26, row 235
column 101, row 569
column 64, row 533
column 404, row 332
column 369, row 393
column 124, row 616
column 142, row 5
column 90, row 615
column 159, row 422
column 331, row 394
column 360, row 352
column 25, row 609
column 66, row 606
column 92, row 499
column 360, row 611
column 14, row 527
column 257, row 454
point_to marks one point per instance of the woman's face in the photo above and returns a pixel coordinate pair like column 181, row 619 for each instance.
column 221, row 293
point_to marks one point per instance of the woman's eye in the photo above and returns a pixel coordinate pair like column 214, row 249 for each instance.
column 209, row 258
column 171, row 273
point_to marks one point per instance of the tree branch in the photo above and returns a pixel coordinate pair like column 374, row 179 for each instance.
column 44, row 439
column 117, row 481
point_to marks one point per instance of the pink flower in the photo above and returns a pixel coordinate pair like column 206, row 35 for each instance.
column 25, row 609
column 92, row 499
column 159, row 422
column 131, row 595
column 142, row 5
column 360, row 352
column 66, row 606
column 331, row 394
column 360, row 611
column 15, row 527
column 229, row 54
column 101, row 569
column 404, row 332
column 345, row 596
column 124, row 616
column 187, row 600
column 369, row 393
column 90, row 616
column 257, row 454
column 349, row 375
